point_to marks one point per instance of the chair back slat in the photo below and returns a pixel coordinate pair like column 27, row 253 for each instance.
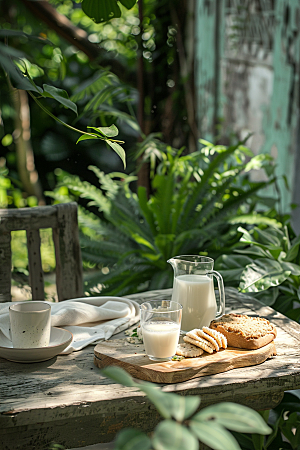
column 62, row 218
column 5, row 267
column 28, row 218
column 67, row 253
column 36, row 274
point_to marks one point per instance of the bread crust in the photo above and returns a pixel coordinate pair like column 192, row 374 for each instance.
column 245, row 332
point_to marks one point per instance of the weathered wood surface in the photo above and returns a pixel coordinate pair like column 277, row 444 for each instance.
column 28, row 218
column 66, row 400
column 62, row 218
column 67, row 252
column 36, row 274
column 134, row 360
column 5, row 267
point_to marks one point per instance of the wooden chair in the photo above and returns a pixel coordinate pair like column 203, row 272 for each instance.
column 62, row 218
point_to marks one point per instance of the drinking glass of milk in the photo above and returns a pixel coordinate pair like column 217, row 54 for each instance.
column 160, row 322
column 193, row 288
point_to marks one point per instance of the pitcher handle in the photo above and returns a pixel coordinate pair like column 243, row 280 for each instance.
column 219, row 278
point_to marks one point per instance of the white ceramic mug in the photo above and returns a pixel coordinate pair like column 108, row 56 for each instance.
column 30, row 324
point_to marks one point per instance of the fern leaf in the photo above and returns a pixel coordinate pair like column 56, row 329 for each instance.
column 220, row 215
column 204, row 186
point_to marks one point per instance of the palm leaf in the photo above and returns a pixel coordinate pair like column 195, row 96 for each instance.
column 129, row 218
column 161, row 203
column 104, row 252
column 234, row 202
column 210, row 206
column 144, row 205
column 203, row 187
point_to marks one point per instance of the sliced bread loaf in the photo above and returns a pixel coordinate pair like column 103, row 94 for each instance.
column 245, row 332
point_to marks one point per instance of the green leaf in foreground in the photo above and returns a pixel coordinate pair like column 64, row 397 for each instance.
column 119, row 376
column 170, row 435
column 131, row 439
column 234, row 417
column 171, row 405
column 214, row 435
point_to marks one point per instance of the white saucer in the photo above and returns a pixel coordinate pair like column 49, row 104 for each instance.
column 59, row 340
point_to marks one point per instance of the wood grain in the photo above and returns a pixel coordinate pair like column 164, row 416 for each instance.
column 134, row 360
column 62, row 218
column 28, row 218
column 69, row 277
column 36, row 274
column 5, row 266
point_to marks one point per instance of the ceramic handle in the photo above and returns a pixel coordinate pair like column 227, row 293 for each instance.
column 219, row 278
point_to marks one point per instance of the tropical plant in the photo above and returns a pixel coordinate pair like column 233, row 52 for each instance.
column 145, row 47
column 182, row 426
column 285, row 423
column 103, row 97
column 16, row 72
column 103, row 11
column 130, row 237
column 266, row 264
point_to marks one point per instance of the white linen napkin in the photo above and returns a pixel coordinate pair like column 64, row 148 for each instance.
column 89, row 319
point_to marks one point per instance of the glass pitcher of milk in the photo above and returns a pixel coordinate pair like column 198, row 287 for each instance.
column 193, row 288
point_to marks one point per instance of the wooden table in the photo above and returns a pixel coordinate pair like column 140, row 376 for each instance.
column 65, row 400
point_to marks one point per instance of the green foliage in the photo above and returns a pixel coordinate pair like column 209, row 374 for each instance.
column 131, row 439
column 11, row 194
column 19, row 251
column 131, row 237
column 266, row 264
column 105, row 10
column 16, row 68
column 285, row 423
column 183, row 427
column 107, row 99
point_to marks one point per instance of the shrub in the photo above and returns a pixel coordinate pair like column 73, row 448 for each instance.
column 129, row 237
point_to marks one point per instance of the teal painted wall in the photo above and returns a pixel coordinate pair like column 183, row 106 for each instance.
column 247, row 74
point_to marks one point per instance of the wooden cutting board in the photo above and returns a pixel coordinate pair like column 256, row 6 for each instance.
column 133, row 359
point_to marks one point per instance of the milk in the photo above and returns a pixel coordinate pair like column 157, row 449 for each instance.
column 160, row 338
column 197, row 297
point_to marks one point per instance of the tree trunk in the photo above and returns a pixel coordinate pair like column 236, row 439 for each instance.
column 143, row 168
column 185, row 49
column 25, row 157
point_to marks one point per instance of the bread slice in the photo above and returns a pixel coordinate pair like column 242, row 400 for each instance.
column 245, row 332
